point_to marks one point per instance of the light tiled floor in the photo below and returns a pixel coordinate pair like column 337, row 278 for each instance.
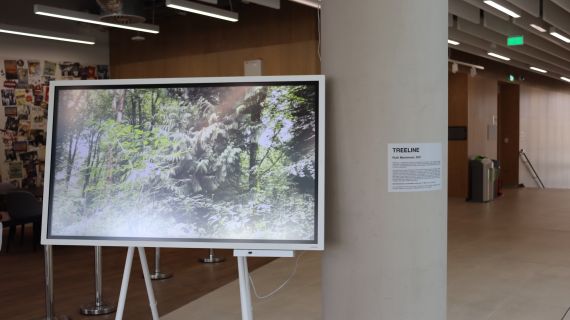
column 508, row 259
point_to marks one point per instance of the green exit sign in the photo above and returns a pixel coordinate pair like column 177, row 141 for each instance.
column 515, row 41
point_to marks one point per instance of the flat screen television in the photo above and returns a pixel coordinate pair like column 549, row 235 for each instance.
column 235, row 162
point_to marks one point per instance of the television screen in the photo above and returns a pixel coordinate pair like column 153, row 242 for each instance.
column 194, row 162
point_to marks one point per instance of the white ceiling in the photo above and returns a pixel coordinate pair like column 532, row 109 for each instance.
column 481, row 29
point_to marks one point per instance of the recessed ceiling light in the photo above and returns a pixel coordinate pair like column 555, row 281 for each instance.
column 453, row 42
column 29, row 32
column 89, row 18
column 502, row 9
column 560, row 36
column 204, row 10
column 565, row 79
column 537, row 27
column 498, row 56
column 538, row 70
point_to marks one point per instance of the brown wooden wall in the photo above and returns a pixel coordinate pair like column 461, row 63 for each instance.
column 193, row 45
column 457, row 150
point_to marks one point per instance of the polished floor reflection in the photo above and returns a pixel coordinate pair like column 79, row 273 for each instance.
column 508, row 259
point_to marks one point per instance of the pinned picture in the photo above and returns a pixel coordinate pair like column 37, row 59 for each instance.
column 102, row 71
column 49, row 68
column 34, row 68
column 11, row 68
column 11, row 124
column 15, row 170
column 20, row 146
column 37, row 138
column 20, row 96
column 24, row 128
column 11, row 111
column 37, row 117
column 66, row 69
column 24, row 112
column 22, row 77
column 8, row 97
column 10, row 155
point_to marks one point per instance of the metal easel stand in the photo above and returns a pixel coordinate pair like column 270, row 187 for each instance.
column 48, row 265
column 212, row 258
column 157, row 274
column 243, row 272
column 99, row 308
column 125, row 284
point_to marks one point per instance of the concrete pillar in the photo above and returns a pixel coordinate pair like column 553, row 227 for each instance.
column 386, row 67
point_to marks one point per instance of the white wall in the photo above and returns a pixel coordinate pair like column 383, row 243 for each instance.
column 386, row 67
column 545, row 135
column 482, row 117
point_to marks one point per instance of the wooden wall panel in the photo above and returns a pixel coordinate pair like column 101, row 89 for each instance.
column 192, row 45
column 457, row 150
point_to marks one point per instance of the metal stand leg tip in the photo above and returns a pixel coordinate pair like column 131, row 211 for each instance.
column 160, row 275
column 211, row 258
column 97, row 310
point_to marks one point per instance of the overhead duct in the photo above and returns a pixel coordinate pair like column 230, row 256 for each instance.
column 122, row 11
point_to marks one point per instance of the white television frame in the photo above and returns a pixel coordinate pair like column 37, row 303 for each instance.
column 206, row 243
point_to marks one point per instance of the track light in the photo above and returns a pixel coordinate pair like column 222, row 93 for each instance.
column 537, row 28
column 29, row 32
column 473, row 72
column 454, row 68
column 453, row 42
column 89, row 18
column 203, row 10
column 558, row 35
column 502, row 9
column 498, row 56
column 565, row 79
column 538, row 70
column 311, row 3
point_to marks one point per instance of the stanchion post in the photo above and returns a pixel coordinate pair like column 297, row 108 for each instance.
column 99, row 308
column 157, row 274
column 48, row 273
column 212, row 258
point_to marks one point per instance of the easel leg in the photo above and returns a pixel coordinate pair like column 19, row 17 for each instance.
column 148, row 283
column 125, row 284
column 245, row 294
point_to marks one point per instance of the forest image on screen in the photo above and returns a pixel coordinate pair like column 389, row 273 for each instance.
column 228, row 162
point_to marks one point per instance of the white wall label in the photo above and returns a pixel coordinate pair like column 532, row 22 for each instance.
column 414, row 167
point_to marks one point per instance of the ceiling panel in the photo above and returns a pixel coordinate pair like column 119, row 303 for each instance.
column 556, row 16
column 563, row 4
column 464, row 10
column 530, row 6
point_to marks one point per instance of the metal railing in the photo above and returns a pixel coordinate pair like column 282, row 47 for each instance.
column 531, row 170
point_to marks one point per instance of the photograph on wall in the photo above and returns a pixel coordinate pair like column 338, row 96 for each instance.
column 15, row 170
column 11, row 111
column 38, row 118
column 34, row 68
column 10, row 155
column 24, row 112
column 11, row 69
column 37, row 137
column 11, row 124
column 8, row 97
column 233, row 162
column 20, row 97
column 23, row 78
column 20, row 146
column 49, row 68
column 102, row 71
column 24, row 127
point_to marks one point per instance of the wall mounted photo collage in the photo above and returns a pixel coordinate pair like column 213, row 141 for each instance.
column 24, row 93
